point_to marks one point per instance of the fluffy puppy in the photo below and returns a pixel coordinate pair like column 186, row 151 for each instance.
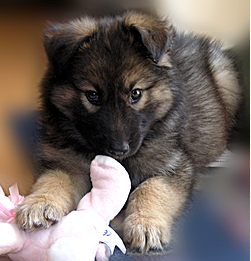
column 131, row 87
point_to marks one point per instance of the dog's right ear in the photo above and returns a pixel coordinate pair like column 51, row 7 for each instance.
column 62, row 40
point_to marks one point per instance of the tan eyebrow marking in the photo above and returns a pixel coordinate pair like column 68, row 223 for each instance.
column 90, row 107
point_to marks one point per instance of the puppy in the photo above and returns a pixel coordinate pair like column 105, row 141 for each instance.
column 131, row 87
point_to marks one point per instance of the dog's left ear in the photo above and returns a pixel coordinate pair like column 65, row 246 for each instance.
column 62, row 40
column 154, row 33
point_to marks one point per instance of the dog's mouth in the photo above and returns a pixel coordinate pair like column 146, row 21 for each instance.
column 117, row 157
column 119, row 154
column 119, row 149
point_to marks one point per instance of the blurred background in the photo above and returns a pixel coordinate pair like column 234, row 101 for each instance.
column 23, row 62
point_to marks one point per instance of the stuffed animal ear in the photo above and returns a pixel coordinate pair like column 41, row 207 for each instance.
column 62, row 40
column 154, row 32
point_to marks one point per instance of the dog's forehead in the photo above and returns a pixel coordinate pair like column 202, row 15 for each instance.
column 112, row 76
column 111, row 61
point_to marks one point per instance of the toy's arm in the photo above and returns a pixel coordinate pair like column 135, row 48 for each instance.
column 111, row 186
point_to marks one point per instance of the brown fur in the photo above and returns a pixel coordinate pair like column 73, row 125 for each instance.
column 52, row 196
column 150, row 213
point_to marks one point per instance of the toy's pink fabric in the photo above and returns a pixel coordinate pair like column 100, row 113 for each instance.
column 8, row 204
column 77, row 235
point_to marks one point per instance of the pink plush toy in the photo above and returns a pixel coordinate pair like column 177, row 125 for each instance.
column 79, row 235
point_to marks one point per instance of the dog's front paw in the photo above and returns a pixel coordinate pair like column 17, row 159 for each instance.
column 145, row 233
column 38, row 212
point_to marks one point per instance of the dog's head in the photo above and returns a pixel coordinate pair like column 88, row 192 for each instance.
column 105, row 77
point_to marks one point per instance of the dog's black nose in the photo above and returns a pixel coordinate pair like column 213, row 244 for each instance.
column 119, row 149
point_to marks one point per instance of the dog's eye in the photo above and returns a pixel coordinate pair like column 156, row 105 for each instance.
column 92, row 97
column 135, row 95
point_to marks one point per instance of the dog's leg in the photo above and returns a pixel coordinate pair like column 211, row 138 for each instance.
column 150, row 213
column 54, row 195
